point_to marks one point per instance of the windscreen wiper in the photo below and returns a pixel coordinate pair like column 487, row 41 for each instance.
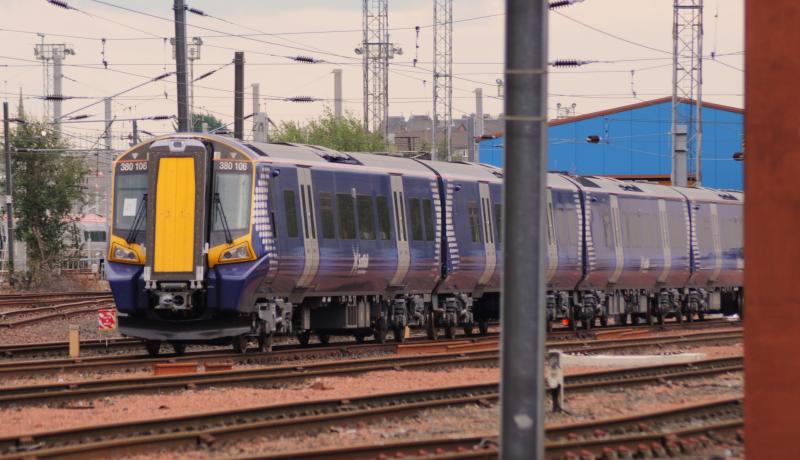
column 223, row 219
column 137, row 219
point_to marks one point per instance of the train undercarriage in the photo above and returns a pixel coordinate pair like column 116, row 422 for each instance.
column 587, row 309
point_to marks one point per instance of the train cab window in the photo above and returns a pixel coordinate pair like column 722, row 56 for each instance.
column 384, row 224
column 498, row 221
column 326, row 212
column 474, row 221
column 427, row 214
column 416, row 223
column 130, row 196
column 347, row 218
column 366, row 217
column 291, row 213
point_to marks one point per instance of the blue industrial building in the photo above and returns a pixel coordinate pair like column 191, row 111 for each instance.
column 635, row 142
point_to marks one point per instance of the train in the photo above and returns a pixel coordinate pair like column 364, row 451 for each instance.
column 218, row 241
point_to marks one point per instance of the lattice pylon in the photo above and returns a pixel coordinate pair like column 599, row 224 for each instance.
column 687, row 85
column 376, row 50
column 442, row 77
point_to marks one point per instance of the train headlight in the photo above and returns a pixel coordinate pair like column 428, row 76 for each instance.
column 122, row 254
column 238, row 253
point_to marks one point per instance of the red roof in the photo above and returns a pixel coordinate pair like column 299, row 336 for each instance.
column 639, row 105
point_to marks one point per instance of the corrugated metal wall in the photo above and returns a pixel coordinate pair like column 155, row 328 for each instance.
column 638, row 142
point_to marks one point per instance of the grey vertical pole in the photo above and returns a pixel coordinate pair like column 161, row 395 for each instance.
column 523, row 321
column 471, row 139
column 478, row 112
column 57, row 80
column 135, row 136
column 180, row 64
column 108, row 115
column 256, row 106
column 238, row 101
column 9, row 193
column 337, row 93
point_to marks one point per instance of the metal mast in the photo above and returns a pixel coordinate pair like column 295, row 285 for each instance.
column 376, row 52
column 55, row 53
column 687, row 85
column 442, row 76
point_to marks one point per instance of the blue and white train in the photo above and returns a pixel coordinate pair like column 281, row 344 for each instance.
column 218, row 241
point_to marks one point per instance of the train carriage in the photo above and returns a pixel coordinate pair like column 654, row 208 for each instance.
column 565, row 244
column 717, row 249
column 638, row 233
column 218, row 241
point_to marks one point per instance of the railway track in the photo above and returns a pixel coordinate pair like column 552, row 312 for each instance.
column 650, row 435
column 279, row 353
column 209, row 428
column 62, row 310
column 24, row 300
column 273, row 375
column 286, row 352
column 56, row 348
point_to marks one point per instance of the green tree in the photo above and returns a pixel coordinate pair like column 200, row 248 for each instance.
column 47, row 187
column 197, row 122
column 346, row 134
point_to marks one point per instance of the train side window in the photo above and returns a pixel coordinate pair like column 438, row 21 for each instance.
column 326, row 211
column 366, row 217
column 427, row 214
column 304, row 209
column 474, row 221
column 347, row 218
column 291, row 213
column 384, row 225
column 416, row 223
column 400, row 215
column 498, row 222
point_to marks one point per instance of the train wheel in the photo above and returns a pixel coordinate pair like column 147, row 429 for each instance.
column 324, row 338
column 483, row 327
column 240, row 344
column 359, row 338
column 604, row 320
column 153, row 347
column 469, row 329
column 689, row 316
column 450, row 332
column 399, row 334
column 701, row 315
column 587, row 323
column 622, row 319
column 304, row 337
column 265, row 342
column 178, row 348
column 660, row 318
column 635, row 319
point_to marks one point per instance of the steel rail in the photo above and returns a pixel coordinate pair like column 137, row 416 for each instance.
column 630, row 439
column 211, row 427
column 260, row 376
column 22, row 368
column 59, row 314
column 279, row 352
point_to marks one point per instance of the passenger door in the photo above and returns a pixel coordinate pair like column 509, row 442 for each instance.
column 400, row 232
column 309, row 228
column 490, row 263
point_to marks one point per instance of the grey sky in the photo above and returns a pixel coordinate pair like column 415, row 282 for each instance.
column 478, row 53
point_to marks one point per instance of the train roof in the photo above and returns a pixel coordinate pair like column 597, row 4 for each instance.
column 709, row 195
column 464, row 171
column 628, row 188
